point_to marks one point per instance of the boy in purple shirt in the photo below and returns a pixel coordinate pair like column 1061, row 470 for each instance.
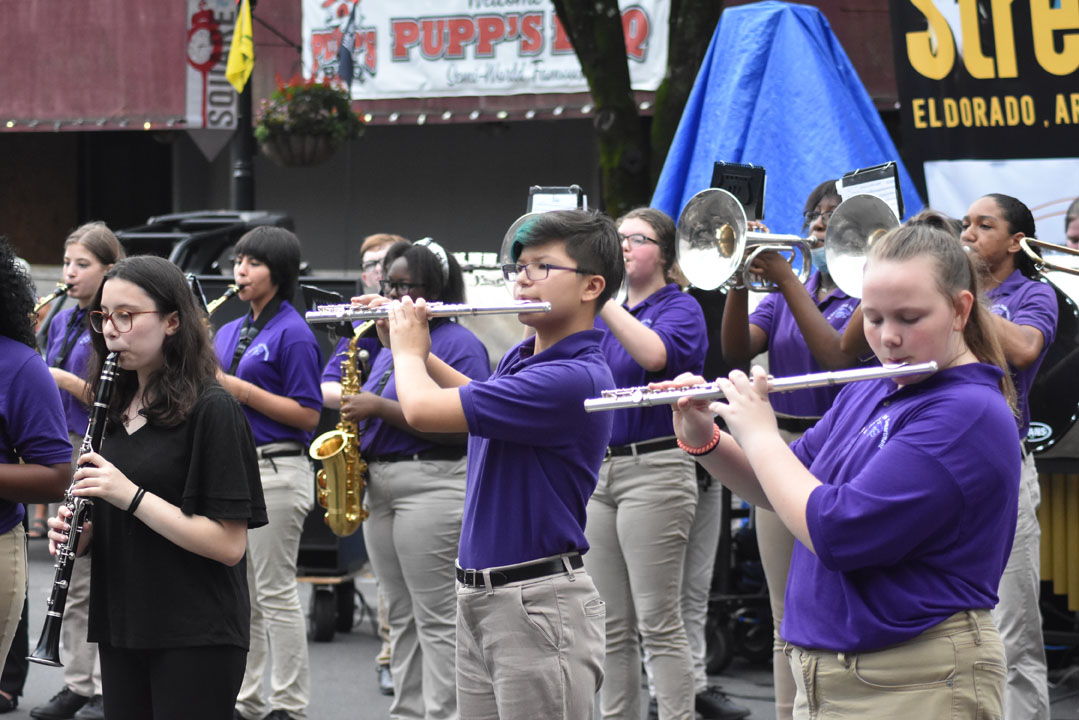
column 530, row 637
column 1025, row 318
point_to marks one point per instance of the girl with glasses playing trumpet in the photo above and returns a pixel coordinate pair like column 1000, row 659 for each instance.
column 175, row 488
column 903, row 509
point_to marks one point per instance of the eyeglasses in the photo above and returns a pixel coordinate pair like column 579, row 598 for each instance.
column 812, row 216
column 536, row 271
column 399, row 286
column 121, row 319
column 637, row 239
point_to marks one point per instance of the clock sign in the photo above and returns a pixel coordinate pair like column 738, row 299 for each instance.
column 203, row 47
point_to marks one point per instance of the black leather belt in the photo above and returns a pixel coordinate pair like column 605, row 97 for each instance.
column 474, row 578
column 795, row 424
column 642, row 448
column 437, row 453
column 280, row 453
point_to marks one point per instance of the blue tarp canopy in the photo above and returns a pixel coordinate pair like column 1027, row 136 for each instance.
column 776, row 89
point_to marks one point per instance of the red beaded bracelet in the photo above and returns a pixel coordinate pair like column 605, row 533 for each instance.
column 703, row 449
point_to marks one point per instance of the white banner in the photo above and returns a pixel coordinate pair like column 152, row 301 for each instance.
column 1046, row 186
column 211, row 101
column 440, row 48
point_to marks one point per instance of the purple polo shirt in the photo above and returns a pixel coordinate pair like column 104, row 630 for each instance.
column 454, row 345
column 788, row 353
column 678, row 320
column 533, row 452
column 31, row 417
column 284, row 359
column 915, row 519
column 78, row 415
column 1026, row 302
column 369, row 342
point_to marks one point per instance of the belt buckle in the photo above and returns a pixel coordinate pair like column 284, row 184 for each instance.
column 470, row 577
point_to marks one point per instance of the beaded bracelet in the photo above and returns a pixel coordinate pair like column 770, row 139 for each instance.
column 703, row 449
column 135, row 501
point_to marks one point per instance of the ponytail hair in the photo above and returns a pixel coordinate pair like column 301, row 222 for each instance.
column 955, row 272
column 666, row 234
column 1021, row 220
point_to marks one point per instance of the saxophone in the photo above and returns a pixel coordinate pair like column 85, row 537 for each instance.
column 341, row 481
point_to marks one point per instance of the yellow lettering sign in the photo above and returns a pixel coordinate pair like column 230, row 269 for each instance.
column 1046, row 20
column 931, row 51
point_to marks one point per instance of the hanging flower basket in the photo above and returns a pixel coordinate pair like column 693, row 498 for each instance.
column 303, row 122
column 299, row 150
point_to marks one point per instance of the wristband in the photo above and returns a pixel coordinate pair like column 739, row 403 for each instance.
column 135, row 501
column 247, row 397
column 703, row 449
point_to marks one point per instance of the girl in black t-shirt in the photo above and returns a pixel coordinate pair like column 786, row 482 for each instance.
column 176, row 487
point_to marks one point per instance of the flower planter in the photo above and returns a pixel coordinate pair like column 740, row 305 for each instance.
column 294, row 150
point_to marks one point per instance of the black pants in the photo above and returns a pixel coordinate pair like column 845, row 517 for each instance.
column 171, row 683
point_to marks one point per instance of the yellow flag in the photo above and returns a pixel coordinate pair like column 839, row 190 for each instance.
column 242, row 53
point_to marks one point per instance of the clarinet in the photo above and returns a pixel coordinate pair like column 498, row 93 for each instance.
column 48, row 646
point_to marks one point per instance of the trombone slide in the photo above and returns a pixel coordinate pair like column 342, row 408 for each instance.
column 643, row 397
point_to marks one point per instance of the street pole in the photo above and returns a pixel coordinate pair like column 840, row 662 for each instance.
column 242, row 149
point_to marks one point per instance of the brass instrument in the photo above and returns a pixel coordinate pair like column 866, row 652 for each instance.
column 352, row 313
column 47, row 651
column 213, row 305
column 61, row 288
column 855, row 225
column 643, row 397
column 341, row 481
column 713, row 242
column 1041, row 263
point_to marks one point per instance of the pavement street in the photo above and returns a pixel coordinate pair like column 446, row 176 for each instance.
column 343, row 680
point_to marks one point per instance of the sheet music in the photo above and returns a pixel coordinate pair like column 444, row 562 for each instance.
column 881, row 181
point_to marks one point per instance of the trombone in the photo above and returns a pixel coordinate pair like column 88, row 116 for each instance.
column 1041, row 264
column 713, row 242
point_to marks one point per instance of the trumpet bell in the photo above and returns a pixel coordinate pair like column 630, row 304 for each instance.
column 855, row 225
column 711, row 238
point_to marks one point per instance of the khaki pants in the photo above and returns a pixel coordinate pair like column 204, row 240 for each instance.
column 776, row 543
column 1017, row 614
column 639, row 520
column 412, row 537
column 278, row 625
column 12, row 584
column 531, row 650
column 954, row 670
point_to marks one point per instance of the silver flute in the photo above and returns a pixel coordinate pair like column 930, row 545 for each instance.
column 356, row 313
column 643, row 397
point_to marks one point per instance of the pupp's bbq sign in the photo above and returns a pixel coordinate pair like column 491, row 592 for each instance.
column 988, row 78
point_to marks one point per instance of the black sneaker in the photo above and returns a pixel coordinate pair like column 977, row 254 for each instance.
column 278, row 715
column 94, row 709
column 713, row 704
column 63, row 706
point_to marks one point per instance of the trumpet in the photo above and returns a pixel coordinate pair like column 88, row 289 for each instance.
column 1043, row 265
column 713, row 242
column 354, row 313
column 643, row 397
column 213, row 305
column 61, row 288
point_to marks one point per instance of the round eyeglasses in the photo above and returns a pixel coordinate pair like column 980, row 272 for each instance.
column 122, row 320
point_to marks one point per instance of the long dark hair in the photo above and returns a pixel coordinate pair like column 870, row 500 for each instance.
column 190, row 363
column 955, row 272
column 16, row 314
